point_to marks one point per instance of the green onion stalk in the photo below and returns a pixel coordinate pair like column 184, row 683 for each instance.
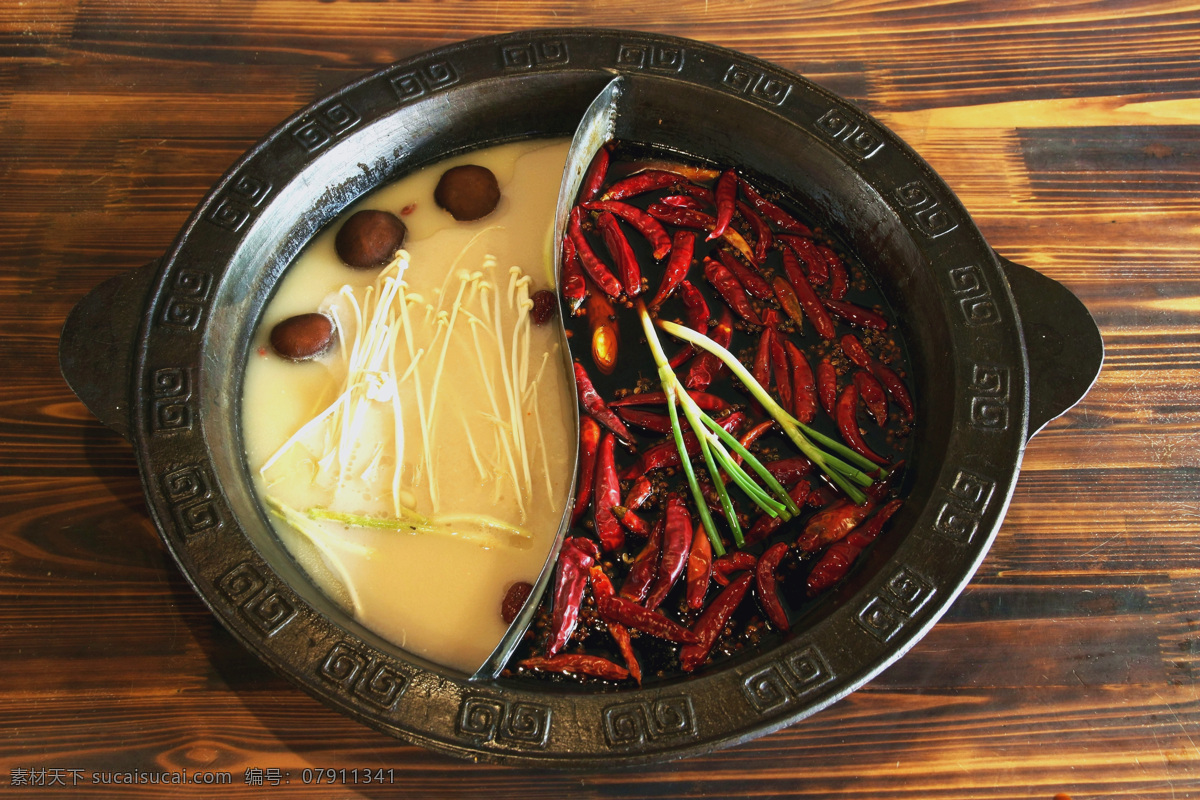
column 409, row 520
column 844, row 466
column 714, row 440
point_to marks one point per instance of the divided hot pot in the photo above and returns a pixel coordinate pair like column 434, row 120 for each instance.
column 997, row 351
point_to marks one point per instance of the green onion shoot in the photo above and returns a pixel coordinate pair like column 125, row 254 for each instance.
column 715, row 443
column 843, row 466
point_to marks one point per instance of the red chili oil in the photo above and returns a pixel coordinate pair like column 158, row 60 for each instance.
column 748, row 630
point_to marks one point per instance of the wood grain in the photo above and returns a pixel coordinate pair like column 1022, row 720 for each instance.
column 1070, row 131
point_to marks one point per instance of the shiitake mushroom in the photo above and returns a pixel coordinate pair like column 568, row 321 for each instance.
column 369, row 239
column 468, row 192
column 303, row 336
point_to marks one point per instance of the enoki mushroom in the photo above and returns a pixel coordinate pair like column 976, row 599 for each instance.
column 394, row 346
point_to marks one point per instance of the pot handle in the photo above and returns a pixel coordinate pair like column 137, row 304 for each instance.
column 96, row 349
column 1063, row 342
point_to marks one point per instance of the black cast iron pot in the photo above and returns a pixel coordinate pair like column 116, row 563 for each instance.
column 997, row 351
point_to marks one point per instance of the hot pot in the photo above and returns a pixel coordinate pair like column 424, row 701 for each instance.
column 997, row 351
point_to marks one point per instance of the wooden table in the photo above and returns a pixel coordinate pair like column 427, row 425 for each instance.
column 1072, row 133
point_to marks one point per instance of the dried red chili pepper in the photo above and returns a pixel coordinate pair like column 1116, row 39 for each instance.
column 751, row 436
column 691, row 172
column 783, row 378
column 695, row 307
column 771, row 212
column 589, row 444
column 730, row 290
column 706, row 401
column 838, row 279
column 666, row 454
column 762, row 359
column 836, row 562
column 725, row 566
column 595, row 406
column 821, row 496
column 856, row 315
column 682, row 248
column 597, row 269
column 833, row 523
column 597, row 173
column 766, row 525
column 788, row 301
column 751, row 281
column 621, row 252
column 726, row 195
column 620, row 609
column 640, row 399
column 789, row 470
column 807, row 297
column 814, row 262
column 606, row 336
column 659, row 423
column 712, row 622
column 639, row 493
column 866, row 533
column 578, row 664
column 574, row 286
column 644, row 567
column 739, row 243
column 695, row 220
column 677, row 542
column 827, row 385
column 763, row 238
column 660, row 456
column 854, row 351
column 681, row 217
column 640, row 183
column 602, row 587
column 895, row 387
column 606, row 494
column 764, row 578
column 804, row 387
column 872, row 395
column 696, row 315
column 575, row 558
column 699, row 569
column 699, row 192
column 791, row 265
column 684, row 201
column 631, row 521
column 707, row 367
column 650, row 228
column 711, row 498
column 847, row 421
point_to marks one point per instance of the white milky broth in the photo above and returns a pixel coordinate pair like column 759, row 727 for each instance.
column 422, row 465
